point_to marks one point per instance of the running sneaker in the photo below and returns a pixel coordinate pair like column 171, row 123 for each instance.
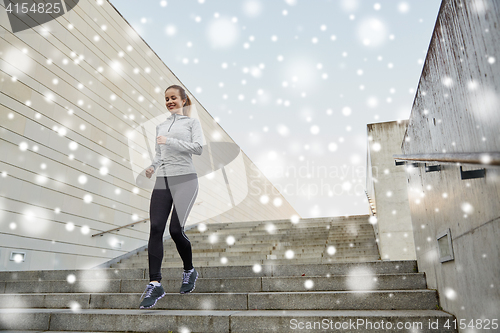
column 153, row 294
column 188, row 281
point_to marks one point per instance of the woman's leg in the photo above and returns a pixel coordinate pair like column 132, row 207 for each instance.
column 184, row 191
column 159, row 209
column 181, row 241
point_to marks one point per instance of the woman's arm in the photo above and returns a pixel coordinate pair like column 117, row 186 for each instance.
column 157, row 159
column 193, row 147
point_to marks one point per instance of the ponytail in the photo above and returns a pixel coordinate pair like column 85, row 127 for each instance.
column 186, row 110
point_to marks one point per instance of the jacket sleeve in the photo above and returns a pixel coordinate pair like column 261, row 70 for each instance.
column 196, row 144
column 157, row 158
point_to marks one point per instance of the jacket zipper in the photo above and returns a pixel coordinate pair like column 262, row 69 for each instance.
column 171, row 124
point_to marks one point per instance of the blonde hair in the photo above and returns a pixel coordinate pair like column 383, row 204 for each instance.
column 186, row 110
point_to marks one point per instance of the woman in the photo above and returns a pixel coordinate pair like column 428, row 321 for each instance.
column 176, row 184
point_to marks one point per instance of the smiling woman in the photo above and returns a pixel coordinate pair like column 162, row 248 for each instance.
column 176, row 185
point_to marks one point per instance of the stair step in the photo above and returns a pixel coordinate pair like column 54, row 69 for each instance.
column 290, row 269
column 208, row 247
column 309, row 300
column 197, row 321
column 199, row 262
column 260, row 255
column 235, row 284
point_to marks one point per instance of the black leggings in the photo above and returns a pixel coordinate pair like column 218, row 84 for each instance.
column 179, row 191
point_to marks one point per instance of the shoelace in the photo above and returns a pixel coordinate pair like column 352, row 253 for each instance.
column 148, row 291
column 185, row 277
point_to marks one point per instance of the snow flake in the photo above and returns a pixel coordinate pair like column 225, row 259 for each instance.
column 252, row 8
column 170, row 30
column 403, row 7
column 332, row 146
column 450, row 294
column 479, row 6
column 361, row 278
column 213, row 238
column 75, row 306
column 184, row 329
column 82, row 179
column 349, row 5
column 85, row 229
column 372, row 32
column 447, row 81
column 87, row 198
column 314, row 129
column 71, row 278
column 372, row 102
column 230, row 240
column 467, row 207
column 202, row 227
column 270, row 228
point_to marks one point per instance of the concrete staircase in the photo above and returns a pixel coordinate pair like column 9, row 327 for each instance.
column 258, row 287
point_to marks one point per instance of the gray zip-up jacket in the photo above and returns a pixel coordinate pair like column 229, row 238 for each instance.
column 184, row 138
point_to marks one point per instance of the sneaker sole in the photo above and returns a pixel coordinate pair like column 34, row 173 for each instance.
column 194, row 285
column 149, row 307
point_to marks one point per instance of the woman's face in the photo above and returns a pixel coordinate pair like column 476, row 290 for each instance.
column 173, row 100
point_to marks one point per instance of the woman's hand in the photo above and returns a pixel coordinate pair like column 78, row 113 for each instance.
column 161, row 140
column 150, row 171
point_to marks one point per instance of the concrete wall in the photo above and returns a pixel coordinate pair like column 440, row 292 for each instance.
column 456, row 110
column 386, row 184
column 78, row 109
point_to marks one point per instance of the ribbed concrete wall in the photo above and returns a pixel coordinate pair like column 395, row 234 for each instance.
column 456, row 110
column 78, row 107
column 387, row 185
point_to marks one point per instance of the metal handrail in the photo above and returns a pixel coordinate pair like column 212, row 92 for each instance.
column 129, row 225
column 370, row 204
column 486, row 158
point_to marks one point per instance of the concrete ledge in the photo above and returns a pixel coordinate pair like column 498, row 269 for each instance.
column 311, row 300
column 289, row 269
column 212, row 321
column 225, row 285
